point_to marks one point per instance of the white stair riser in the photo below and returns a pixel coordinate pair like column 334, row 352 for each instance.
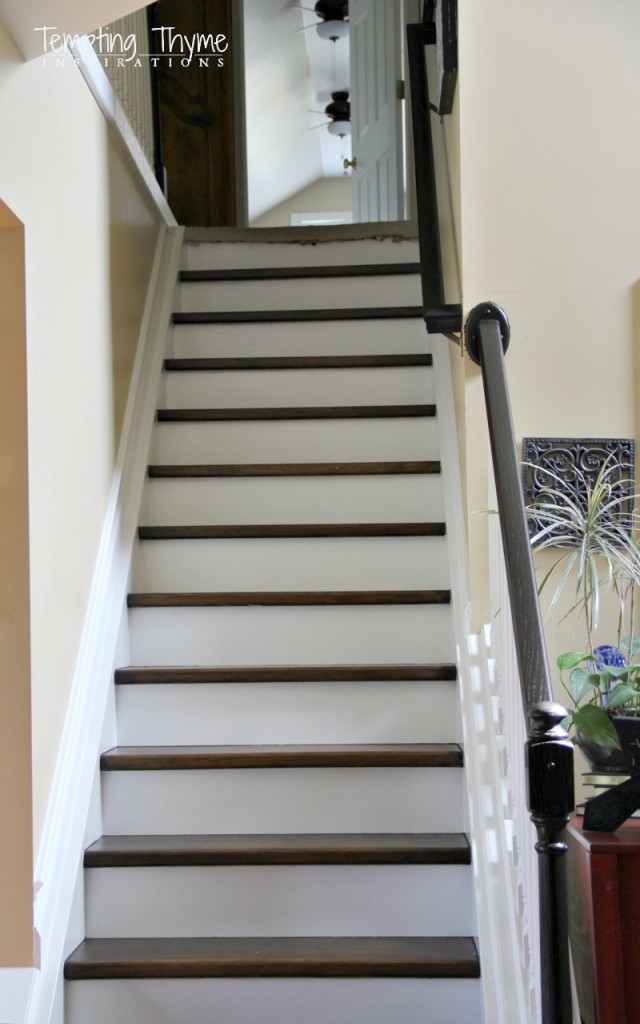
column 235, row 256
column 278, row 900
column 276, row 1001
column 290, row 635
column 393, row 563
column 301, row 293
column 209, row 713
column 223, row 389
column 323, row 499
column 295, row 441
column 274, row 800
column 347, row 337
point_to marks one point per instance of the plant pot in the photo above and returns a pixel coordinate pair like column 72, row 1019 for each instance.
column 608, row 760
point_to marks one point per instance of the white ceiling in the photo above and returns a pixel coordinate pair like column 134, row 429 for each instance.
column 285, row 71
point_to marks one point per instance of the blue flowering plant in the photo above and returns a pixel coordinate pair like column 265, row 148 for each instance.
column 593, row 533
column 598, row 684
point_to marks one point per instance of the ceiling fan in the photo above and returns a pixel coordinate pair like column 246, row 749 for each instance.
column 339, row 114
column 334, row 15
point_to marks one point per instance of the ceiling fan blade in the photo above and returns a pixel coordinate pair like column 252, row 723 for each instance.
column 316, row 126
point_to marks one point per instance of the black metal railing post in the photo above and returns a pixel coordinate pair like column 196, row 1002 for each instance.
column 549, row 753
column 440, row 317
column 426, row 199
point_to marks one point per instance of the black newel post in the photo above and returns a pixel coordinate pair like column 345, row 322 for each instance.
column 549, row 765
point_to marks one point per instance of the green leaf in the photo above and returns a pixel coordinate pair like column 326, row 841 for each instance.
column 621, row 694
column 612, row 670
column 622, row 674
column 632, row 645
column 570, row 659
column 595, row 725
column 582, row 681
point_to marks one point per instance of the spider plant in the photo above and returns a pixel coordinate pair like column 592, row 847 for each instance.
column 594, row 534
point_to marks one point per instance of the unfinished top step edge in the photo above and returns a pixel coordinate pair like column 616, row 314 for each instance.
column 401, row 231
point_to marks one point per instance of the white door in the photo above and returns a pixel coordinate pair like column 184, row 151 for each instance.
column 376, row 123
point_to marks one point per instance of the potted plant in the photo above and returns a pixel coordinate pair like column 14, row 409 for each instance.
column 595, row 537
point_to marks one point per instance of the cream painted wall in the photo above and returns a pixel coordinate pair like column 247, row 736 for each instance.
column 16, row 859
column 549, row 106
column 550, row 217
column 133, row 229
column 90, row 237
column 324, row 195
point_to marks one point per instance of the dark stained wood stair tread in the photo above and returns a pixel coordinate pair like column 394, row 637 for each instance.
column 284, row 598
column 343, row 755
column 307, row 412
column 283, row 273
column 431, row 467
column 311, row 848
column 291, row 530
column 298, row 956
column 134, row 676
column 300, row 315
column 298, row 363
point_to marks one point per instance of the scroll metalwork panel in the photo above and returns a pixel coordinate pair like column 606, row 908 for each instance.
column 554, row 468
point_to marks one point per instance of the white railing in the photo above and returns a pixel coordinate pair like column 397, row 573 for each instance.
column 511, row 738
column 505, row 979
column 131, row 78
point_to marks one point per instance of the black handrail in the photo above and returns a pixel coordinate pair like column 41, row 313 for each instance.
column 548, row 751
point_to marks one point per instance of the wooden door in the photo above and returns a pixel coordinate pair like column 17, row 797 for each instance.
column 196, row 111
column 375, row 53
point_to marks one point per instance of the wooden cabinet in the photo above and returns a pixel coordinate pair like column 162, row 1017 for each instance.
column 604, row 921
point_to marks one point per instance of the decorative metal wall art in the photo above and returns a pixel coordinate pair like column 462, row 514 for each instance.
column 571, row 465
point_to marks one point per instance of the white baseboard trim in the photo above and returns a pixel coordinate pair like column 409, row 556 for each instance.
column 61, row 847
column 504, row 984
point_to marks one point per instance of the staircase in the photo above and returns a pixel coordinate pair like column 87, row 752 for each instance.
column 284, row 814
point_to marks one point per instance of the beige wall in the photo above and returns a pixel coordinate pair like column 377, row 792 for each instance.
column 90, row 237
column 132, row 238
column 324, row 195
column 550, row 229
column 550, row 217
column 16, row 859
